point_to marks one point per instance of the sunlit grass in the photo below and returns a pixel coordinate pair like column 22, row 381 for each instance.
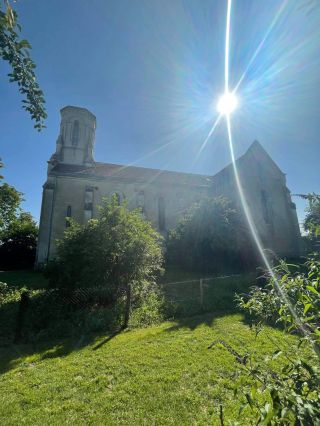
column 159, row 375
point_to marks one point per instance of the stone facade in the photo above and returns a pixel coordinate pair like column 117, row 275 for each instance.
column 76, row 185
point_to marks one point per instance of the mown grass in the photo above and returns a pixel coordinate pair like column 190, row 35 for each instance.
column 161, row 375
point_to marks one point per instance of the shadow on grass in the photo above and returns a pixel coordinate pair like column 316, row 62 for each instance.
column 207, row 318
column 48, row 329
column 12, row 355
column 56, row 335
column 107, row 339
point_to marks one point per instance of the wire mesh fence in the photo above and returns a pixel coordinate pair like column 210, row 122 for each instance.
column 206, row 294
column 94, row 307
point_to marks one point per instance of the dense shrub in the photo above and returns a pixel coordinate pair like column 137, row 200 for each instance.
column 211, row 237
column 290, row 396
column 117, row 248
column 119, row 252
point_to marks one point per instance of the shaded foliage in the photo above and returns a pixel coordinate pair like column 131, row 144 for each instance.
column 18, row 243
column 18, row 231
column 51, row 314
column 17, row 53
column 211, row 237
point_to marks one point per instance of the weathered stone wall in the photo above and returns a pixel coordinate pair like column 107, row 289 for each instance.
column 268, row 198
column 70, row 193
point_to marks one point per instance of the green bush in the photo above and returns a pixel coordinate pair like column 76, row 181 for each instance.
column 119, row 252
column 150, row 311
column 109, row 252
column 291, row 396
column 211, row 237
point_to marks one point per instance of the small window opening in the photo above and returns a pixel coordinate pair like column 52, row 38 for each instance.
column 75, row 133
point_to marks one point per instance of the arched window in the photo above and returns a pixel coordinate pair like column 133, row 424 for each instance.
column 162, row 214
column 75, row 133
column 68, row 215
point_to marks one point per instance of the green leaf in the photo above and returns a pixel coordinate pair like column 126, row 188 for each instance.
column 306, row 308
column 312, row 289
column 276, row 354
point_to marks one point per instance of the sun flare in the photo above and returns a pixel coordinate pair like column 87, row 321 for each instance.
column 228, row 102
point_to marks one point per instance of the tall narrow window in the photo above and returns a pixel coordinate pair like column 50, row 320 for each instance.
column 88, row 199
column 266, row 210
column 68, row 215
column 162, row 214
column 88, row 203
column 141, row 201
column 75, row 132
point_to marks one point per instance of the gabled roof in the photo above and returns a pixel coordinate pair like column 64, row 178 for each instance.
column 256, row 149
column 254, row 152
column 147, row 175
column 131, row 174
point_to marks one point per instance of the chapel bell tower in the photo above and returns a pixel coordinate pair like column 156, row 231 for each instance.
column 76, row 139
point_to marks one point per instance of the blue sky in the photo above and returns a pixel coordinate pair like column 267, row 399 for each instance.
column 152, row 71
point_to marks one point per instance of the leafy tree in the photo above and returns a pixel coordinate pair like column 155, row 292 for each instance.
column 18, row 230
column 120, row 252
column 10, row 200
column 16, row 53
column 211, row 236
column 312, row 220
column 18, row 243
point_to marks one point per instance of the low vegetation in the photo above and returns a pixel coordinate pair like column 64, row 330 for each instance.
column 291, row 300
column 158, row 375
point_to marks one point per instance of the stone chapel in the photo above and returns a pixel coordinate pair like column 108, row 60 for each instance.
column 76, row 184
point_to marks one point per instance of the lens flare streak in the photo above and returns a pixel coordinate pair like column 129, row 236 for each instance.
column 242, row 195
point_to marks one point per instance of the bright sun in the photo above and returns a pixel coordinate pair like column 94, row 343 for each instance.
column 227, row 103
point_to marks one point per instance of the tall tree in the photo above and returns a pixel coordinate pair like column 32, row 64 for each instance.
column 18, row 230
column 10, row 200
column 18, row 243
column 17, row 53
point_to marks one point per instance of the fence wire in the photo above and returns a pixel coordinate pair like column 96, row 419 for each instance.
column 205, row 294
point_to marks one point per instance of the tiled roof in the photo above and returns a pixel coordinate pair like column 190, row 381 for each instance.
column 131, row 173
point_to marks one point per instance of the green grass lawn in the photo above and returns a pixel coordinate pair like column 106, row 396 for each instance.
column 161, row 375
